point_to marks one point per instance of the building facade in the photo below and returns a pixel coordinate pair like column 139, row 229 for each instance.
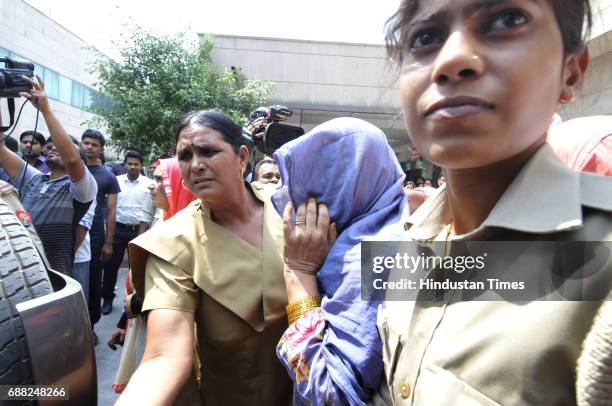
column 596, row 96
column 61, row 59
column 318, row 80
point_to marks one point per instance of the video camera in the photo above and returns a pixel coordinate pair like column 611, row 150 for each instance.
column 11, row 82
column 267, row 133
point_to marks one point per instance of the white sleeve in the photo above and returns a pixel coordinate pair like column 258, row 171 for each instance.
column 89, row 215
column 86, row 189
column 147, row 211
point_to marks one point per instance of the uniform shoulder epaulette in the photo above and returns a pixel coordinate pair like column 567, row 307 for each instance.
column 596, row 191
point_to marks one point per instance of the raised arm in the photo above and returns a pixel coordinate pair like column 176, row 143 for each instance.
column 65, row 147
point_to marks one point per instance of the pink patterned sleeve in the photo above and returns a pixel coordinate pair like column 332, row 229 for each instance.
column 298, row 345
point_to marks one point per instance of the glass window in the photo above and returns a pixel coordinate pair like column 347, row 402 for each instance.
column 39, row 70
column 77, row 95
column 87, row 96
column 96, row 98
column 107, row 102
column 100, row 100
column 65, row 89
column 16, row 56
column 51, row 83
column 59, row 87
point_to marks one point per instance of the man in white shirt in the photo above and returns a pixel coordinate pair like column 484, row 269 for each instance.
column 134, row 215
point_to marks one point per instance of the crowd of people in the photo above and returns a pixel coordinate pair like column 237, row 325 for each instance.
column 248, row 289
column 84, row 212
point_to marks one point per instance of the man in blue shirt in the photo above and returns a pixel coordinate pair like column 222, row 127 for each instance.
column 101, row 234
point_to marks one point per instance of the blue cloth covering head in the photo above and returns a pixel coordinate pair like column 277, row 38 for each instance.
column 347, row 164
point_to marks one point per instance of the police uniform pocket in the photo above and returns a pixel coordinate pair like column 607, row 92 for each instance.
column 392, row 322
column 437, row 386
column 392, row 347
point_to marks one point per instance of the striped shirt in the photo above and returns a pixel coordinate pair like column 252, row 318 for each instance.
column 56, row 207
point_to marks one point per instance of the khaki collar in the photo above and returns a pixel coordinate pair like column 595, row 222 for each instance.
column 247, row 282
column 544, row 197
column 258, row 191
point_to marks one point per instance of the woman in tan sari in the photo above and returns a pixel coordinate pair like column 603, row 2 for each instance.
column 217, row 263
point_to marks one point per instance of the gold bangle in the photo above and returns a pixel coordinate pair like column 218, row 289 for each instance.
column 297, row 309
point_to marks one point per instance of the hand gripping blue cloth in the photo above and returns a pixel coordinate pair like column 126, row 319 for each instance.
column 347, row 164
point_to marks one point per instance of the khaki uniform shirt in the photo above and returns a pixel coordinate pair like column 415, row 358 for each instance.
column 237, row 293
column 498, row 352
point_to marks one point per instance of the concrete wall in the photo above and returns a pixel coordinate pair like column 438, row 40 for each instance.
column 31, row 34
column 324, row 74
column 596, row 96
column 320, row 80
column 602, row 17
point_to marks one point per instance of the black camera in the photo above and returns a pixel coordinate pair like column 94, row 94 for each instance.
column 267, row 133
column 11, row 81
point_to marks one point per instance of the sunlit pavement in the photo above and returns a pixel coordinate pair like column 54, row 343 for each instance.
column 107, row 360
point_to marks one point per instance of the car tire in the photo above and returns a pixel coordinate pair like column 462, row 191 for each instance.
column 23, row 277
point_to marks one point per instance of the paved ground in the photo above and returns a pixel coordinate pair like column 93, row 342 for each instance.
column 107, row 360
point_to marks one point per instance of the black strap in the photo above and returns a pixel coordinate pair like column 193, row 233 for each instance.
column 11, row 109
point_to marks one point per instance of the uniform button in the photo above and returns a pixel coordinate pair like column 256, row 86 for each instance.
column 404, row 389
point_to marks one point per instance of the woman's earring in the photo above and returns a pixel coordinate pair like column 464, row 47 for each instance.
column 567, row 100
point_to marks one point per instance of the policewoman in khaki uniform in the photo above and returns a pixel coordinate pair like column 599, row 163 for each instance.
column 479, row 84
column 217, row 263
column 499, row 352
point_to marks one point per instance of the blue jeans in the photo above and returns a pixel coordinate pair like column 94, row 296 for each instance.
column 80, row 273
column 95, row 277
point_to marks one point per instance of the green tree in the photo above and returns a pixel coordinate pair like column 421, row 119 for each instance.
column 159, row 78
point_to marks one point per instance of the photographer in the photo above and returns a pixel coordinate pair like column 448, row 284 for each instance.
column 58, row 200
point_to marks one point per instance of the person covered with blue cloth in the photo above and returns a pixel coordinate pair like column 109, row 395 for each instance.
column 331, row 348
